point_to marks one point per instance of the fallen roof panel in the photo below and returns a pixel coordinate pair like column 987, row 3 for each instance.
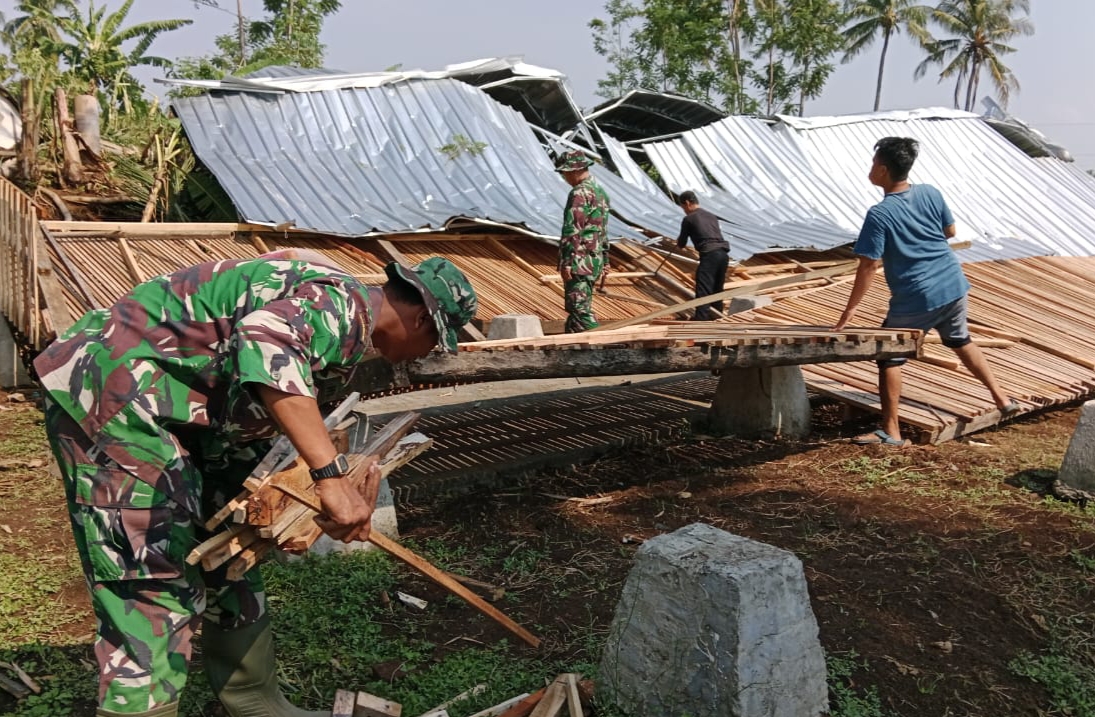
column 400, row 157
column 802, row 182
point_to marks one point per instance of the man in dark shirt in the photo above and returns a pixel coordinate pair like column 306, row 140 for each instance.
column 702, row 227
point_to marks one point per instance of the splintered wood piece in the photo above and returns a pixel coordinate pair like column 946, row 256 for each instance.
column 554, row 699
column 215, row 558
column 527, row 705
column 500, row 708
column 344, row 704
column 213, row 543
column 302, row 525
column 442, row 578
column 280, row 455
column 368, row 705
column 248, row 558
column 574, row 701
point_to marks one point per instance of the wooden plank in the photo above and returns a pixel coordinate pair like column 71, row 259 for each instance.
column 441, row 578
column 135, row 270
column 771, row 283
column 554, row 699
column 149, row 229
column 574, row 701
column 344, row 704
column 525, row 706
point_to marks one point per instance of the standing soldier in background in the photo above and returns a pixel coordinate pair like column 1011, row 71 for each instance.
column 702, row 227
column 583, row 245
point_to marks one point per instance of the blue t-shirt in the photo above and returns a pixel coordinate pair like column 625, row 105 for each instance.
column 905, row 231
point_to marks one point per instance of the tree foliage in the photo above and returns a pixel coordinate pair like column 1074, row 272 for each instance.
column 977, row 33
column 288, row 35
column 869, row 19
column 743, row 55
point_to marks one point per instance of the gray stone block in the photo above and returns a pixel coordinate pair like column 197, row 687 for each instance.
column 12, row 372
column 515, row 326
column 761, row 401
column 1078, row 466
column 714, row 625
column 739, row 304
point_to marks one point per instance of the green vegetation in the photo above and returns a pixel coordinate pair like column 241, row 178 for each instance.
column 459, row 144
column 1070, row 684
column 845, row 701
column 751, row 56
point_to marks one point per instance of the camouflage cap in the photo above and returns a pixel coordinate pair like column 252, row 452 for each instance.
column 446, row 291
column 572, row 161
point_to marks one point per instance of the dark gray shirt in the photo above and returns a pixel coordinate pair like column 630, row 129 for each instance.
column 702, row 227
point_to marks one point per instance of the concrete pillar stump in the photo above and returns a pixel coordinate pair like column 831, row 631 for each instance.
column 1078, row 467
column 714, row 625
column 761, row 401
column 12, row 372
column 515, row 326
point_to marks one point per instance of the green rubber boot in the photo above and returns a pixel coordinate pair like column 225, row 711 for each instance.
column 241, row 670
column 168, row 710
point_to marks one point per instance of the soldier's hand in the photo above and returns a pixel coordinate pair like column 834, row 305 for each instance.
column 565, row 274
column 348, row 510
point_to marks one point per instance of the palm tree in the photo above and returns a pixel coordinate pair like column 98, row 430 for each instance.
column 980, row 31
column 869, row 18
column 94, row 47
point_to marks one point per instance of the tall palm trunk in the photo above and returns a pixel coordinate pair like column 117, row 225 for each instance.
column 734, row 32
column 881, row 68
column 971, row 85
column 239, row 24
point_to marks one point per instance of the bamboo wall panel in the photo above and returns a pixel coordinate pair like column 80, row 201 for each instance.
column 31, row 297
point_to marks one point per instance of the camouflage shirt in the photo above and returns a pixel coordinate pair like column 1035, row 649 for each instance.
column 583, row 245
column 179, row 352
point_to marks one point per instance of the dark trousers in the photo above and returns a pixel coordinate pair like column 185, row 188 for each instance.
column 710, row 276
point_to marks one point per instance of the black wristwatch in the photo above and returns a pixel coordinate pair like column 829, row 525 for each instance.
column 338, row 467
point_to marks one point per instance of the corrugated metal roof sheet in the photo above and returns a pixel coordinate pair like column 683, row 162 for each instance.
column 356, row 161
column 802, row 182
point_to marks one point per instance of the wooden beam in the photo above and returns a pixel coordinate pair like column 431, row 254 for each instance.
column 610, row 361
column 149, row 229
column 769, row 284
column 135, row 270
column 521, row 263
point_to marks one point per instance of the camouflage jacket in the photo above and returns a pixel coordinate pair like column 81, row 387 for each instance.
column 583, row 245
column 179, row 352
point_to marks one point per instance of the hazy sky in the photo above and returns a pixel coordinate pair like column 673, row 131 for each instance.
column 1054, row 66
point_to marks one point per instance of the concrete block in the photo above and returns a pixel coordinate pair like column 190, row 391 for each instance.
column 711, row 625
column 515, row 326
column 12, row 372
column 1078, row 466
column 761, row 401
column 739, row 304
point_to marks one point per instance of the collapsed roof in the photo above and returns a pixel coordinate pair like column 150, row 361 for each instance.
column 394, row 152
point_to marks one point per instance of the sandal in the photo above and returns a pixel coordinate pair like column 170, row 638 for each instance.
column 1011, row 409
column 880, row 438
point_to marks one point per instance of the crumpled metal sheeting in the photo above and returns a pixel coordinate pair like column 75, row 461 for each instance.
column 749, row 228
column 809, row 180
column 356, row 161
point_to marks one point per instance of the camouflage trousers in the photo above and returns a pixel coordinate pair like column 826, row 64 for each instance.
column 133, row 542
column 578, row 302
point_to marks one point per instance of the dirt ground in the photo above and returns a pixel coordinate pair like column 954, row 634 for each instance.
column 931, row 568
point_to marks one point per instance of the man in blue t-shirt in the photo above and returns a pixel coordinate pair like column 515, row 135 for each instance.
column 907, row 234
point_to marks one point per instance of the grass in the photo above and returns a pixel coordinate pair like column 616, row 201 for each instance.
column 844, row 700
column 1071, row 685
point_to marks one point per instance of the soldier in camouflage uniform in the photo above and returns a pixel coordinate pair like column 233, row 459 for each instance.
column 583, row 245
column 158, row 407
